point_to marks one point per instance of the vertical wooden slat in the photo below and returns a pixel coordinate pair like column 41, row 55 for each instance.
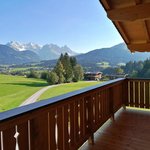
column 115, row 97
column 121, row 95
column 105, row 100
column 147, row 95
column 39, row 132
column 72, row 126
column 108, row 103
column 82, row 125
column 86, row 116
column 52, row 133
column 97, row 109
column 149, row 92
column 131, row 94
column 23, row 139
column 111, row 97
column 125, row 93
column 142, row 94
column 93, row 103
column 66, row 126
column 60, row 119
column 136, row 95
column 76, row 122
column 102, row 108
column 1, row 140
column 105, row 104
column 8, row 139
column 139, row 96
column 90, row 119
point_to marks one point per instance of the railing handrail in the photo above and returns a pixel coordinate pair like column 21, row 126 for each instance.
column 137, row 78
column 31, row 107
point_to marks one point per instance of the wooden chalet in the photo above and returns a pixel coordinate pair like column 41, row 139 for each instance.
column 66, row 122
column 96, row 76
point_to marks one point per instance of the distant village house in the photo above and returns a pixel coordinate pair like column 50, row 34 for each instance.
column 93, row 76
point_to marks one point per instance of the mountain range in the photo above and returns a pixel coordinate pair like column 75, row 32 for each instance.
column 45, row 52
column 10, row 56
column 114, row 56
column 17, row 53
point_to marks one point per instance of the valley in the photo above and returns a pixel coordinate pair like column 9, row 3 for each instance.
column 14, row 90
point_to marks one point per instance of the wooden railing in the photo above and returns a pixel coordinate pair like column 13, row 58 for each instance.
column 64, row 122
column 138, row 93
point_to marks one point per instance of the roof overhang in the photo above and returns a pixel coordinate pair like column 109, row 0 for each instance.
column 132, row 20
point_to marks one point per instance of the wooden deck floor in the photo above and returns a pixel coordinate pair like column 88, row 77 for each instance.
column 129, row 131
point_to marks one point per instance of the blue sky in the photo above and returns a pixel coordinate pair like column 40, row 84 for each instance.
column 80, row 24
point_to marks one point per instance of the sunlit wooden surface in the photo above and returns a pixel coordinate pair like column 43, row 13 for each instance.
column 132, row 20
column 130, row 131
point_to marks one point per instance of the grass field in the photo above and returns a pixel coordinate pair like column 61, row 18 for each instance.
column 15, row 89
column 65, row 88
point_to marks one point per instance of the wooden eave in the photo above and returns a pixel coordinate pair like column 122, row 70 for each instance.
column 132, row 20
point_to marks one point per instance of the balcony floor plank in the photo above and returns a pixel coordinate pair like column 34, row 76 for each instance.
column 129, row 131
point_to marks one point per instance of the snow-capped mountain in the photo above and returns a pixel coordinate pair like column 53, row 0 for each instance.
column 23, row 46
column 9, row 56
column 45, row 52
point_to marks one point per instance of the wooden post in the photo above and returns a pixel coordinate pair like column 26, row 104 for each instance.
column 112, row 117
column 125, row 94
column 111, row 97
column 90, row 120
column 124, row 106
column 91, row 139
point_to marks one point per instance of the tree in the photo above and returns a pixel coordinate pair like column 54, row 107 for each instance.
column 59, row 70
column 78, row 73
column 68, row 72
column 44, row 75
column 52, row 78
column 119, row 71
column 73, row 61
column 32, row 74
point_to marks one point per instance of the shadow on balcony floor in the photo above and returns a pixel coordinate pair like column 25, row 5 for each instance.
column 129, row 131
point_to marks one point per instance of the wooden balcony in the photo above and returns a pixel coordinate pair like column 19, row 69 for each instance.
column 129, row 131
column 68, row 121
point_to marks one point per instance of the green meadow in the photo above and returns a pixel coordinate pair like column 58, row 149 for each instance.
column 66, row 88
column 15, row 89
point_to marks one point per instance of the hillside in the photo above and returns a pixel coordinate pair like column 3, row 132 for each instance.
column 11, row 56
column 114, row 55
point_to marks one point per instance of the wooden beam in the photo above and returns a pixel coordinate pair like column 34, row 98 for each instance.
column 132, row 13
column 105, row 3
column 137, row 2
column 146, row 31
column 144, row 47
column 122, row 31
